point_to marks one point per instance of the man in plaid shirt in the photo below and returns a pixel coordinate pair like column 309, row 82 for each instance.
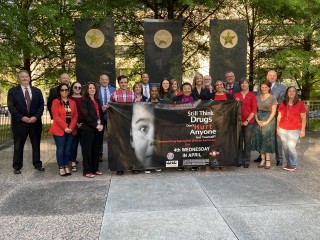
column 123, row 94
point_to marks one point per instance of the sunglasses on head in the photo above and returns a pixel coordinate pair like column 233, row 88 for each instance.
column 75, row 87
column 64, row 90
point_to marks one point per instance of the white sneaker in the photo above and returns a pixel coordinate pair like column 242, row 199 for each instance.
column 158, row 169
column 147, row 171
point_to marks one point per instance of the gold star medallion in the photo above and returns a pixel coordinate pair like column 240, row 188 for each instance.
column 228, row 38
column 94, row 38
column 162, row 38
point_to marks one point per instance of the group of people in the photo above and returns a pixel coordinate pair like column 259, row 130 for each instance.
column 79, row 116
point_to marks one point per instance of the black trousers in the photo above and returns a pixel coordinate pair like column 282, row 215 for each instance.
column 20, row 135
column 90, row 141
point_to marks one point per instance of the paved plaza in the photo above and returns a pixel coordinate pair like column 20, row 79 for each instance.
column 237, row 203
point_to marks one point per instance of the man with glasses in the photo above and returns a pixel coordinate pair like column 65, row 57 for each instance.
column 232, row 86
column 104, row 94
column 208, row 82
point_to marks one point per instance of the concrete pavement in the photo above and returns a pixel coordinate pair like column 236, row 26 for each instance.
column 237, row 203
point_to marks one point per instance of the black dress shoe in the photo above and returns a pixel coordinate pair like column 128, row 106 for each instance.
column 239, row 165
column 40, row 169
column 258, row 159
column 135, row 171
column 245, row 165
column 17, row 171
column 119, row 172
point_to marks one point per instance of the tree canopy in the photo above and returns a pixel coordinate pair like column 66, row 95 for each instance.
column 283, row 35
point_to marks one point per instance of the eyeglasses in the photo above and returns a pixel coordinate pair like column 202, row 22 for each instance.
column 64, row 90
column 75, row 87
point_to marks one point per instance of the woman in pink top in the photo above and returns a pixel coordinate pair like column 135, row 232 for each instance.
column 291, row 124
column 249, row 109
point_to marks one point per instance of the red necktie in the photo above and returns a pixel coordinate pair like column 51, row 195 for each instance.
column 230, row 91
column 28, row 100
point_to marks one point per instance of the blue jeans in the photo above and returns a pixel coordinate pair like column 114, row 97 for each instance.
column 63, row 145
column 289, row 139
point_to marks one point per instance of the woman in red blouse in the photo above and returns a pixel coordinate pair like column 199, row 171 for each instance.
column 220, row 93
column 91, row 129
column 291, row 124
column 65, row 116
column 249, row 109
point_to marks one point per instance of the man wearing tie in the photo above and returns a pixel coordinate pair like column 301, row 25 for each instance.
column 104, row 93
column 145, row 84
column 26, row 105
column 232, row 86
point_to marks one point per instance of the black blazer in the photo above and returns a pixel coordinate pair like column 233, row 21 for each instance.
column 204, row 94
column 53, row 94
column 18, row 107
column 236, row 88
column 89, row 114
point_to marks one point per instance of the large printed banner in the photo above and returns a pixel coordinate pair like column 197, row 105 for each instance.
column 147, row 135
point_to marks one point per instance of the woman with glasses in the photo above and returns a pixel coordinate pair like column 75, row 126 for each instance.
column 90, row 130
column 76, row 96
column 65, row 116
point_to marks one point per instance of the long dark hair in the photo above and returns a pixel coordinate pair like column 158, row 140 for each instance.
column 286, row 97
column 86, row 91
column 71, row 89
column 59, row 93
column 161, row 91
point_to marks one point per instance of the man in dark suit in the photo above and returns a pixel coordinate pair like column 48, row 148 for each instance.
column 53, row 94
column 145, row 84
column 232, row 86
column 26, row 105
column 104, row 94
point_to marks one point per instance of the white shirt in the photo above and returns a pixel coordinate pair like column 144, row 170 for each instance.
column 24, row 91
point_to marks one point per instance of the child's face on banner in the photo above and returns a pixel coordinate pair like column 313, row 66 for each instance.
column 142, row 131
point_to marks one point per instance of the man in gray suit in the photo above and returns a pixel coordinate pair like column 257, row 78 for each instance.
column 278, row 90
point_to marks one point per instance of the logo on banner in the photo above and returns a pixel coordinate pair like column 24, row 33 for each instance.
column 170, row 155
column 172, row 163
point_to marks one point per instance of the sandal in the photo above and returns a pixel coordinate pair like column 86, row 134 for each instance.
column 263, row 161
column 267, row 167
column 98, row 172
column 66, row 169
column 89, row 175
column 62, row 173
column 73, row 168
